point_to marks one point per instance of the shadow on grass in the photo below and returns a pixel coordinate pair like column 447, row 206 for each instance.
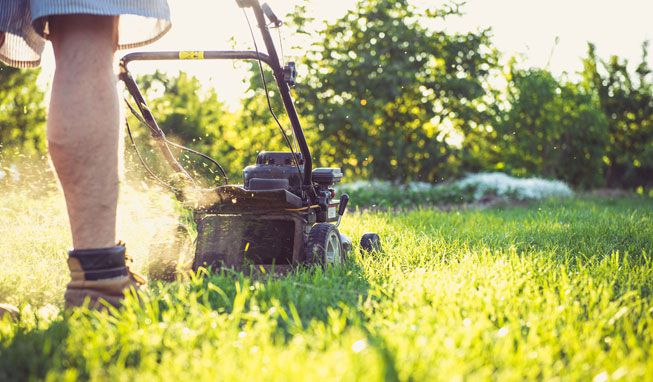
column 32, row 352
column 308, row 291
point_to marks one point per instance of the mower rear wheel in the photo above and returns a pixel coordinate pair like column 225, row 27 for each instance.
column 324, row 246
column 370, row 242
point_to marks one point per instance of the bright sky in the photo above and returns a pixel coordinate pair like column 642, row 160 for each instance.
column 525, row 27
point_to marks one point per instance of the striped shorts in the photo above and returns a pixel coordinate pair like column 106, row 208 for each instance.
column 24, row 24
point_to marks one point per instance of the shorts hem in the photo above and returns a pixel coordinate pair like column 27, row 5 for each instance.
column 139, row 44
column 19, row 63
column 164, row 16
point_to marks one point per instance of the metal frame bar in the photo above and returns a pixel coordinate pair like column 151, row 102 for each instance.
column 195, row 55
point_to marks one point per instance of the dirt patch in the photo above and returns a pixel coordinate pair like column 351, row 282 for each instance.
column 610, row 192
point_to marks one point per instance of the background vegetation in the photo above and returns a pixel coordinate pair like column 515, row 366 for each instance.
column 387, row 95
column 22, row 113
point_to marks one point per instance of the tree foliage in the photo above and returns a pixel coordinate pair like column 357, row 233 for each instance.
column 385, row 93
column 627, row 101
column 256, row 125
column 192, row 115
column 22, row 112
column 390, row 97
column 552, row 129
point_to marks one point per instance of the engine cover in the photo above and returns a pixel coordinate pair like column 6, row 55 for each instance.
column 274, row 165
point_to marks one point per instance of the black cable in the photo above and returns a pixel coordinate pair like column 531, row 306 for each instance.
column 224, row 173
column 142, row 120
column 267, row 96
column 283, row 56
column 283, row 60
column 142, row 160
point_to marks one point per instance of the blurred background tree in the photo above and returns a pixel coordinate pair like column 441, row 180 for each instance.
column 22, row 112
column 386, row 94
column 391, row 98
column 626, row 99
column 386, row 97
column 191, row 115
column 552, row 129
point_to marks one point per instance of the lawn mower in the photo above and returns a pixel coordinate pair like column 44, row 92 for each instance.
column 285, row 213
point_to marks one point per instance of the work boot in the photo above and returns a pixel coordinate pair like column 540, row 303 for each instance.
column 99, row 275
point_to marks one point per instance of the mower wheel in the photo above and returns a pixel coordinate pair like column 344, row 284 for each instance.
column 370, row 242
column 324, row 246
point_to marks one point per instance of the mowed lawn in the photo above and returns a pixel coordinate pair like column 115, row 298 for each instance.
column 557, row 290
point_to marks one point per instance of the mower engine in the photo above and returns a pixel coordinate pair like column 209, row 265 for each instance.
column 264, row 222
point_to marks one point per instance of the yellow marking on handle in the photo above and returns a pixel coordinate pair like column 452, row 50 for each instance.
column 191, row 55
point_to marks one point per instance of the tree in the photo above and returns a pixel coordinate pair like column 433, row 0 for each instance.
column 627, row 101
column 390, row 97
column 256, row 127
column 22, row 113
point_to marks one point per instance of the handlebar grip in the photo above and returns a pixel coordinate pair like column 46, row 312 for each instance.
column 247, row 3
column 270, row 15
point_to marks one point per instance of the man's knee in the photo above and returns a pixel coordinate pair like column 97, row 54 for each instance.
column 83, row 39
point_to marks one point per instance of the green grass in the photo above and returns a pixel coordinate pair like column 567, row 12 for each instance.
column 558, row 290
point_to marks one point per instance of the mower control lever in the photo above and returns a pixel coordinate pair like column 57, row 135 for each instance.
column 344, row 199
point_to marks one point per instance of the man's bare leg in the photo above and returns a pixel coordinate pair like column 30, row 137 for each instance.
column 83, row 123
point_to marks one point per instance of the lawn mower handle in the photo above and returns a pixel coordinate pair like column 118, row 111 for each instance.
column 271, row 59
